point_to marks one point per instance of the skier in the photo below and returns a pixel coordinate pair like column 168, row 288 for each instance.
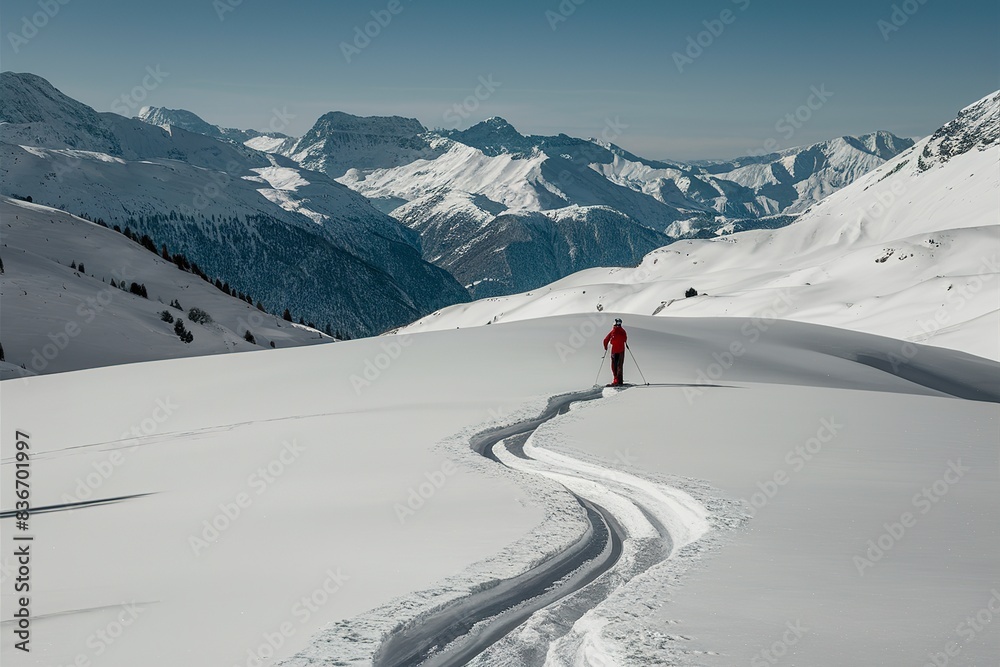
column 617, row 338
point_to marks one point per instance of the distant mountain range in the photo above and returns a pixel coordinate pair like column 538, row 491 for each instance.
column 505, row 212
column 427, row 218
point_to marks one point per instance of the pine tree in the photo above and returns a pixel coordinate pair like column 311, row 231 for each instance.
column 200, row 316
column 248, row 337
column 287, row 315
column 164, row 253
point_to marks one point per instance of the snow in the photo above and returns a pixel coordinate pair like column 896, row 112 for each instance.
column 502, row 178
column 789, row 489
column 901, row 252
column 372, row 432
column 58, row 319
column 189, row 190
column 795, row 562
column 266, row 144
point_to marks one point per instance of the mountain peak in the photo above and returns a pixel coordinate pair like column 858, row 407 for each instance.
column 182, row 118
column 386, row 126
column 884, row 144
column 28, row 100
column 192, row 122
column 977, row 126
column 494, row 136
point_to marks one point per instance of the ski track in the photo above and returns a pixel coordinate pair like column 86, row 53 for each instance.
column 634, row 524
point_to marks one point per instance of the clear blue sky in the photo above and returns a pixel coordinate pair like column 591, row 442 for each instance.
column 610, row 59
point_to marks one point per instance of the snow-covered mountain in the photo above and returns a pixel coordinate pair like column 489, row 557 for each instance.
column 261, row 222
column 910, row 250
column 441, row 180
column 67, row 305
column 192, row 122
column 472, row 237
column 787, row 182
column 492, row 170
column 339, row 142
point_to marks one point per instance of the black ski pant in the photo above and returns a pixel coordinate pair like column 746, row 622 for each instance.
column 618, row 366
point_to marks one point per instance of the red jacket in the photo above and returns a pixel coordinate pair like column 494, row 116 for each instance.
column 617, row 338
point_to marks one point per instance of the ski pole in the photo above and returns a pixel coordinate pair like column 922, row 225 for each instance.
column 601, row 366
column 636, row 364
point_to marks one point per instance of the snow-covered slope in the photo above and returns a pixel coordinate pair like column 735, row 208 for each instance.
column 58, row 318
column 910, row 251
column 354, row 488
column 259, row 221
